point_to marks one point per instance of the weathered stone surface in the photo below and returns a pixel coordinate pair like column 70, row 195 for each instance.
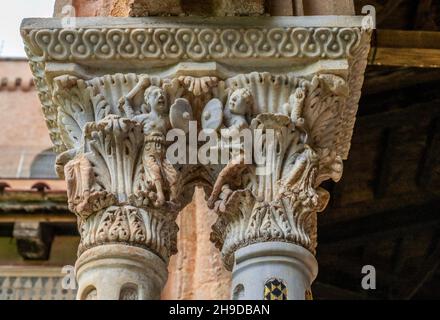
column 281, row 8
column 196, row 271
column 268, row 75
column 281, row 202
column 345, row 43
column 143, row 8
column 332, row 7
column 119, row 183
column 119, row 272
column 292, row 268
column 83, row 8
column 310, row 7
column 239, row 8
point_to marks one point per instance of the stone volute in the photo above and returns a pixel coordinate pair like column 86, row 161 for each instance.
column 113, row 88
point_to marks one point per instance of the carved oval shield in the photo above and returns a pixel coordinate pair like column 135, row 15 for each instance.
column 212, row 115
column 181, row 114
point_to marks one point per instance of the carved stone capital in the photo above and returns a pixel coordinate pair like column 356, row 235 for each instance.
column 120, row 184
column 299, row 130
column 112, row 89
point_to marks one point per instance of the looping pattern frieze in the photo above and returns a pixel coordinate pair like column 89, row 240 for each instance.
column 192, row 43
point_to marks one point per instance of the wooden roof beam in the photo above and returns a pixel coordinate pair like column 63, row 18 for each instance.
column 405, row 49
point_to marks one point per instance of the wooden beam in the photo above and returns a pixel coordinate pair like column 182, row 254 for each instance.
column 406, row 49
column 406, row 57
column 407, row 39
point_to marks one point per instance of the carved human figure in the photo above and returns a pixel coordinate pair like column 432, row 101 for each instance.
column 154, row 118
column 79, row 178
column 294, row 108
column 236, row 114
column 238, row 110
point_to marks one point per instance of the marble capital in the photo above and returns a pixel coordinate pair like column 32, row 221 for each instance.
column 111, row 90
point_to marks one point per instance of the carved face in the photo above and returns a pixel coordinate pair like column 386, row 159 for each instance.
column 240, row 101
column 156, row 99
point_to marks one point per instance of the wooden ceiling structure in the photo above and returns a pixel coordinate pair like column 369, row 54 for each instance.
column 386, row 210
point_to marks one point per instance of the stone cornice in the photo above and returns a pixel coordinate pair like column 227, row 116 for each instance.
column 184, row 39
column 280, row 44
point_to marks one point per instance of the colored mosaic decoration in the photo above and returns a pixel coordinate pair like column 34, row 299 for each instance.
column 275, row 289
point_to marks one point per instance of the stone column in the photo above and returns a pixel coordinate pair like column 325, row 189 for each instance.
column 113, row 89
column 273, row 271
column 119, row 183
column 267, row 210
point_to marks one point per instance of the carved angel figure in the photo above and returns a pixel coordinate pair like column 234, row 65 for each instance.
column 236, row 114
column 238, row 110
column 154, row 118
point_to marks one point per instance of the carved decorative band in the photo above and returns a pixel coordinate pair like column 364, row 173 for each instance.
column 191, row 43
column 150, row 229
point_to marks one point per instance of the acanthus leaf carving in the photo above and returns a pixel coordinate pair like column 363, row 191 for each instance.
column 121, row 154
column 112, row 128
column 152, row 229
column 117, row 159
column 112, row 93
column 281, row 202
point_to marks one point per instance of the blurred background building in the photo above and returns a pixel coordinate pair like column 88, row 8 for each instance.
column 37, row 233
column 384, row 212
